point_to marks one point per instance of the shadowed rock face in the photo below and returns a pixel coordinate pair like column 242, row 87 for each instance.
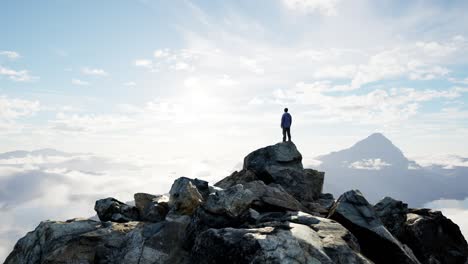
column 273, row 211
column 392, row 213
column 283, row 154
column 111, row 209
column 280, row 164
column 356, row 214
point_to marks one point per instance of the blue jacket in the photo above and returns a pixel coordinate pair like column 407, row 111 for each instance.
column 286, row 120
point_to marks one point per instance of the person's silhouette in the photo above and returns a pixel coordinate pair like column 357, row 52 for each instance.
column 286, row 121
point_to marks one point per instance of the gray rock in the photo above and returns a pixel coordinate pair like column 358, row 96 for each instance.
column 305, row 185
column 292, row 244
column 322, row 205
column 186, row 195
column 111, row 209
column 89, row 242
column 152, row 208
column 231, row 202
column 237, row 177
column 272, row 197
column 339, row 244
column 354, row 212
column 282, row 154
column 434, row 238
column 392, row 213
column 279, row 243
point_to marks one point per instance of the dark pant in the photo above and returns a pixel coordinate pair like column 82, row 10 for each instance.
column 288, row 131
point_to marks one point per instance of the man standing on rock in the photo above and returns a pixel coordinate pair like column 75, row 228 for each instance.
column 286, row 121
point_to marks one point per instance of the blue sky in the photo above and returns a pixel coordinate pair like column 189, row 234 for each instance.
column 163, row 89
column 120, row 73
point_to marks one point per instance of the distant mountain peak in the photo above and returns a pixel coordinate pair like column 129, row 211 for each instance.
column 374, row 147
column 376, row 138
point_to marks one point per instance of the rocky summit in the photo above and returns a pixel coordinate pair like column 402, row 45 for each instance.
column 272, row 211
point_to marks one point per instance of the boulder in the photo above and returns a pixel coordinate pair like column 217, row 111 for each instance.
column 186, row 195
column 231, row 202
column 89, row 242
column 152, row 208
column 277, row 242
column 339, row 244
column 305, row 185
column 281, row 244
column 111, row 209
column 434, row 238
column 272, row 197
column 283, row 154
column 237, row 177
column 238, row 205
column 392, row 213
column 354, row 212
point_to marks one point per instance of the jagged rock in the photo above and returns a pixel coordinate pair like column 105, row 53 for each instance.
column 233, row 207
column 256, row 218
column 292, row 244
column 272, row 197
column 305, row 185
column 237, row 177
column 186, row 195
column 354, row 212
column 339, row 244
column 111, row 209
column 152, row 208
column 279, row 243
column 89, row 242
column 434, row 238
column 282, row 154
column 322, row 205
column 231, row 202
column 392, row 213
column 326, row 200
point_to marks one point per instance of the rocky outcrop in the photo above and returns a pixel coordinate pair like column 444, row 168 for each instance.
column 287, row 243
column 186, row 195
column 282, row 154
column 152, row 208
column 87, row 241
column 354, row 212
column 434, row 238
column 272, row 211
column 305, row 185
column 237, row 177
column 392, row 213
column 280, row 164
column 111, row 209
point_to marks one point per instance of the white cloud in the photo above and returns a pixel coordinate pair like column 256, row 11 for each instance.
column 10, row 54
column 79, row 82
column 18, row 76
column 161, row 53
column 324, row 7
column 12, row 108
column 94, row 71
column 369, row 164
column 379, row 107
column 460, row 81
column 143, row 63
column 445, row 161
column 436, row 49
column 336, row 72
column 251, row 65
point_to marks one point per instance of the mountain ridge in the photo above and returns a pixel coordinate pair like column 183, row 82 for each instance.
column 379, row 168
column 272, row 211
